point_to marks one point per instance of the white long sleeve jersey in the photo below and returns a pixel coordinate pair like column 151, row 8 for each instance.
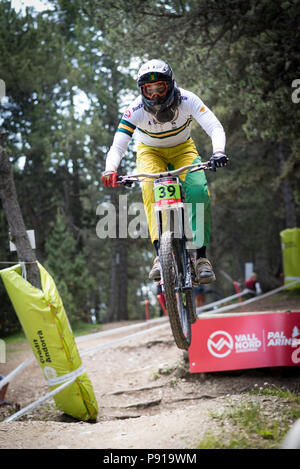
column 149, row 131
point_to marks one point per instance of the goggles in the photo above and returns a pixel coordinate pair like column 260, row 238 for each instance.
column 155, row 90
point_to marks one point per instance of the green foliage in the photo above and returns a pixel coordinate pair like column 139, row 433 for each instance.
column 254, row 424
column 69, row 270
column 242, row 54
column 241, row 58
column 58, row 151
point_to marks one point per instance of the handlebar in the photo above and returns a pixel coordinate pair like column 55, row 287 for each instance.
column 131, row 178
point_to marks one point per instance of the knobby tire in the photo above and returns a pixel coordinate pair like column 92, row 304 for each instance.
column 179, row 305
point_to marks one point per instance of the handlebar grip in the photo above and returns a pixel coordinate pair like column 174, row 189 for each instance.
column 125, row 182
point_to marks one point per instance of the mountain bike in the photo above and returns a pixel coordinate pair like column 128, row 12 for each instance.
column 177, row 269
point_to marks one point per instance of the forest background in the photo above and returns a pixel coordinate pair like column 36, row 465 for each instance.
column 69, row 71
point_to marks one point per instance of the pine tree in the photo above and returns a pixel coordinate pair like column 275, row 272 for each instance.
column 69, row 271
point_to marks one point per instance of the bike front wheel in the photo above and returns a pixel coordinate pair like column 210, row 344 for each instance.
column 179, row 302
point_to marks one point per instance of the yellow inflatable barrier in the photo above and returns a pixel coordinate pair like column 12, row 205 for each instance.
column 46, row 326
column 290, row 243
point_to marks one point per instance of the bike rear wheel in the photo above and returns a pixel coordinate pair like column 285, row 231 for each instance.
column 179, row 303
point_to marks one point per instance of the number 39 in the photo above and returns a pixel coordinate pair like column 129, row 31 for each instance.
column 167, row 191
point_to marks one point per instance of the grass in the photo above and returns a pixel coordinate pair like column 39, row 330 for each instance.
column 81, row 328
column 252, row 420
column 16, row 338
column 213, row 442
column 286, row 295
column 254, row 424
column 277, row 392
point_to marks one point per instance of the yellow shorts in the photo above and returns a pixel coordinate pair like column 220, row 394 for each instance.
column 157, row 159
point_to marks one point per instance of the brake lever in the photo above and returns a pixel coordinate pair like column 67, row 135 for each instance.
column 199, row 168
column 212, row 166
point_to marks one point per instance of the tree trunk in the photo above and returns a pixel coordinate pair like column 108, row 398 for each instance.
column 118, row 310
column 287, row 191
column 18, row 234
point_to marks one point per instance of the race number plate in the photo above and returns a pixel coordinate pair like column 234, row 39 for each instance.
column 167, row 192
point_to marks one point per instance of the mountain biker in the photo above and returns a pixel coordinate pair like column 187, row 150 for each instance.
column 161, row 118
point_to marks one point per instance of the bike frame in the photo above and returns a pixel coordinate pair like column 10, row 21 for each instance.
column 175, row 262
column 171, row 209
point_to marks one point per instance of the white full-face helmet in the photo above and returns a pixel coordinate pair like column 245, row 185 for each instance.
column 160, row 95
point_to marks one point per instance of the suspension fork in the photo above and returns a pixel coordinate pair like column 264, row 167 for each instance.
column 187, row 274
column 180, row 236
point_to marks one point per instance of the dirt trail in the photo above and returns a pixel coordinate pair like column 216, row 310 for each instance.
column 147, row 398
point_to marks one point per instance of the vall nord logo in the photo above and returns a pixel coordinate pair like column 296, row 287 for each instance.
column 220, row 344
